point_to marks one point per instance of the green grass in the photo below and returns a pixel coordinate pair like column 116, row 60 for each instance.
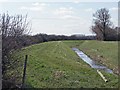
column 55, row 65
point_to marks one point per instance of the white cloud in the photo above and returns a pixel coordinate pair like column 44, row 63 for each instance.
column 4, row 0
column 39, row 4
column 23, row 7
column 113, row 9
column 32, row 8
column 70, row 17
column 35, row 4
column 89, row 10
column 35, row 7
column 115, row 21
column 76, row 1
column 64, row 11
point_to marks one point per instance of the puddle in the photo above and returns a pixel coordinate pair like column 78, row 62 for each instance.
column 89, row 61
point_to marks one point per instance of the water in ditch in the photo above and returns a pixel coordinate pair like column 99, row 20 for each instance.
column 89, row 61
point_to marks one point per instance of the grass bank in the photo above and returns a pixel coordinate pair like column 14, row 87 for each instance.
column 55, row 65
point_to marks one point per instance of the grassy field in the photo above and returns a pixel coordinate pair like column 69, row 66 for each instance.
column 55, row 65
column 103, row 52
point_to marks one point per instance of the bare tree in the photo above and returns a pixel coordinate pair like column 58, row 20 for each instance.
column 101, row 23
column 11, row 28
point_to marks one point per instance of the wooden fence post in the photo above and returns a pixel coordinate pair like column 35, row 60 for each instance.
column 24, row 71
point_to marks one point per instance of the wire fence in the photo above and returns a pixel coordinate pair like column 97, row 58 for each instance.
column 17, row 70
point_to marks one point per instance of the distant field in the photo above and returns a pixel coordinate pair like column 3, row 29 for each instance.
column 55, row 65
column 105, row 52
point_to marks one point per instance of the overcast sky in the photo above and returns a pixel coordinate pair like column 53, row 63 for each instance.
column 59, row 17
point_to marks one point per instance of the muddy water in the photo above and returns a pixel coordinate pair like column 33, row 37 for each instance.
column 89, row 61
